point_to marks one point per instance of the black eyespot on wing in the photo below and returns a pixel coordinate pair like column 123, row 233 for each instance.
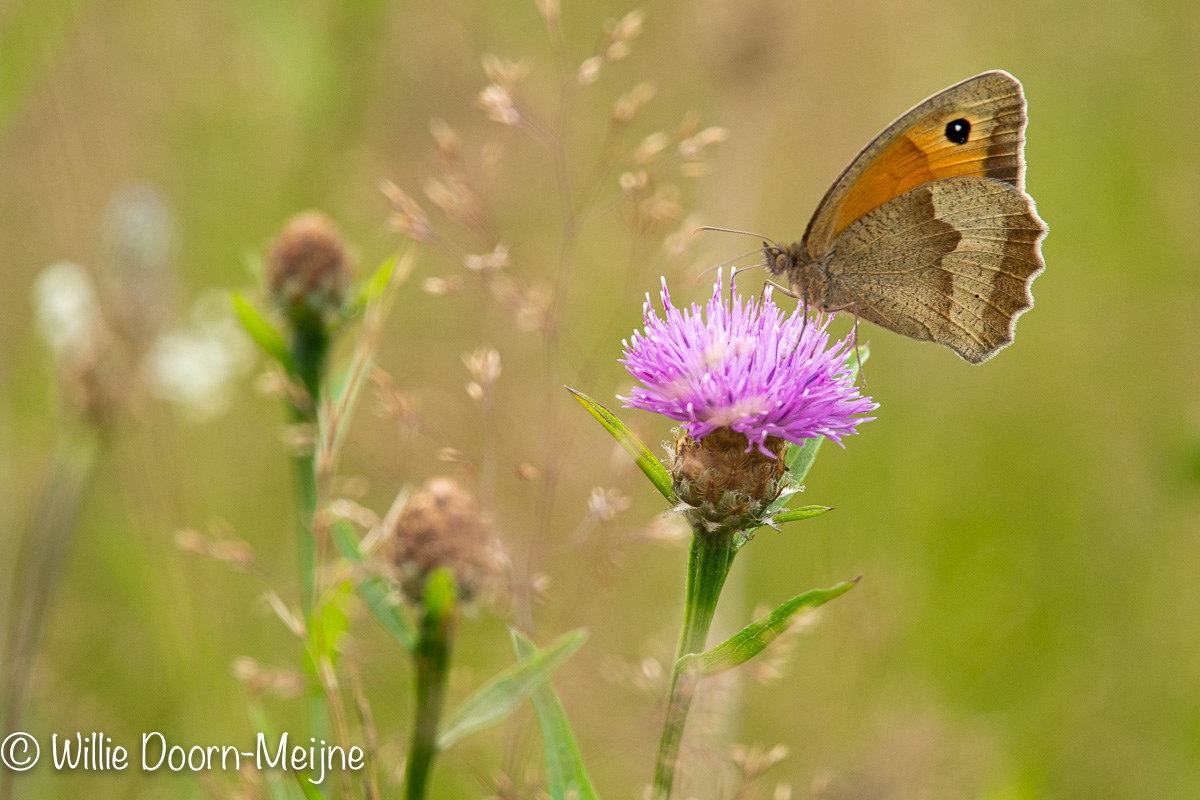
column 958, row 131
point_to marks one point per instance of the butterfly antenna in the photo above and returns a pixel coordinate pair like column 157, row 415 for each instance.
column 732, row 230
column 724, row 264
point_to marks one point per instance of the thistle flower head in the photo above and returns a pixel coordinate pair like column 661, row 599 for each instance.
column 742, row 363
column 308, row 273
column 443, row 526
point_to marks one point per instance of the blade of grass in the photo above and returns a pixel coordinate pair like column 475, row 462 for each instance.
column 497, row 698
column 566, row 775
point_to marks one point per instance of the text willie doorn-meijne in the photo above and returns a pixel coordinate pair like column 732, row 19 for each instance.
column 96, row 752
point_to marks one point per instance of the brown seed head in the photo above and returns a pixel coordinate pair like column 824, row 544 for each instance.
column 726, row 485
column 309, row 268
column 443, row 526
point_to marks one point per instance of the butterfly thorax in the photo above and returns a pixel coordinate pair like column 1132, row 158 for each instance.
column 806, row 278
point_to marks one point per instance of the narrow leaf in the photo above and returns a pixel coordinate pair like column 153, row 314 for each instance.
column 378, row 284
column 794, row 514
column 375, row 591
column 566, row 775
column 262, row 332
column 800, row 457
column 497, row 698
column 646, row 461
column 311, row 790
column 754, row 638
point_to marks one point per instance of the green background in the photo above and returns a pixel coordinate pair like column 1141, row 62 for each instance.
column 1028, row 531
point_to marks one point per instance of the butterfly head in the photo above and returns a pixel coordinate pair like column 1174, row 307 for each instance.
column 789, row 264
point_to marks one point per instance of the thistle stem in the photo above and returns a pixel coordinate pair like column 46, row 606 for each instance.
column 709, row 561
column 432, row 657
column 310, row 348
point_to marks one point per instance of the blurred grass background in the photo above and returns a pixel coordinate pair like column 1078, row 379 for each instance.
column 1028, row 531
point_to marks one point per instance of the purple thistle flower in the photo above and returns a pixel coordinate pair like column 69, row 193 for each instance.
column 747, row 366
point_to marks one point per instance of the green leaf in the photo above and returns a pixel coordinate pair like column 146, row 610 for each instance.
column 799, row 458
column 378, row 284
column 311, row 790
column 806, row 512
column 566, row 775
column 330, row 622
column 376, row 592
column 262, row 332
column 497, row 698
column 646, row 461
column 754, row 638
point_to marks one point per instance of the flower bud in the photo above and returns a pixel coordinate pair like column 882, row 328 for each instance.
column 443, row 526
column 723, row 482
column 308, row 273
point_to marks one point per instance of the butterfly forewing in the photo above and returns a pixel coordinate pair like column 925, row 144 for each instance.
column 950, row 261
column 972, row 129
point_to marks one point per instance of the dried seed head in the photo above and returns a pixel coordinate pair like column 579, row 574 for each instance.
column 443, row 526
column 497, row 102
column 456, row 198
column 693, row 147
column 308, row 272
column 260, row 680
column 688, row 125
column 723, row 482
column 394, row 404
column 650, row 147
column 678, row 244
column 488, row 262
column 589, row 71
column 662, row 206
column 443, row 286
column 235, row 552
column 629, row 27
column 446, row 139
column 503, row 71
column 606, row 504
column 632, row 102
column 633, row 181
column 617, row 50
column 533, row 310
column 483, row 364
column 409, row 219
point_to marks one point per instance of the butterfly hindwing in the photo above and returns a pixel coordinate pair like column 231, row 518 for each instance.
column 949, row 261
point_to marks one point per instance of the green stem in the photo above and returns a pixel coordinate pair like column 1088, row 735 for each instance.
column 709, row 561
column 310, row 348
column 432, row 658
column 50, row 525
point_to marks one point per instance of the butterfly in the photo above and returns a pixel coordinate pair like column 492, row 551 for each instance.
column 929, row 232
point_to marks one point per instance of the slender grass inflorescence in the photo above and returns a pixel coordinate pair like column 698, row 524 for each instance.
column 748, row 382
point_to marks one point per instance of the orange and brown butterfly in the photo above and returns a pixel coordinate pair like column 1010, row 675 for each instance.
column 929, row 231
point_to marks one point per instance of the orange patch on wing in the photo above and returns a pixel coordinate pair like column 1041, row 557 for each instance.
column 913, row 159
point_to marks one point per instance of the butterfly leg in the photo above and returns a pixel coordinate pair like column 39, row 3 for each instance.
column 782, row 290
column 853, row 309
